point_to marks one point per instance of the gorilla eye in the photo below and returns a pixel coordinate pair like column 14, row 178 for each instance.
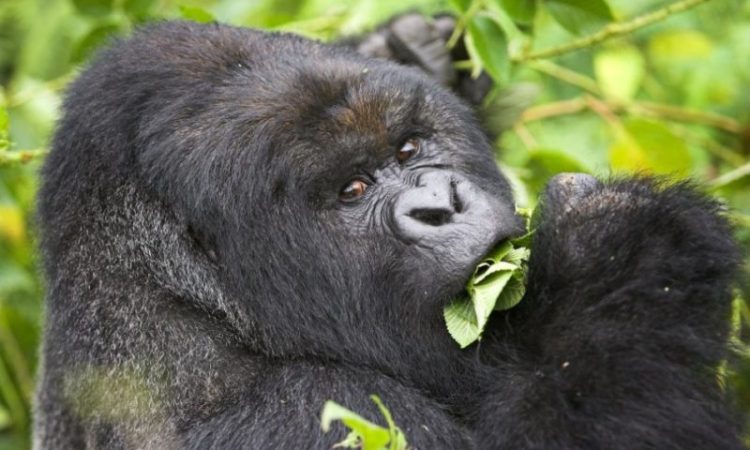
column 353, row 190
column 409, row 149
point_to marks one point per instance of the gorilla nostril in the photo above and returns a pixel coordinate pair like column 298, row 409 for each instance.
column 456, row 202
column 432, row 216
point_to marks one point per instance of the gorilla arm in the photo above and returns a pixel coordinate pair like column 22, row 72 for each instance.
column 623, row 326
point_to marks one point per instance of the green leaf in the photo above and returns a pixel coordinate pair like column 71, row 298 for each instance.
column 398, row 440
column 460, row 5
column 94, row 8
column 521, row 11
column 652, row 147
column 139, row 8
column 512, row 294
column 93, row 40
column 484, row 295
column 491, row 46
column 4, row 127
column 580, row 16
column 5, row 418
column 196, row 14
column 680, row 44
column 620, row 72
column 461, row 322
column 371, row 436
column 497, row 284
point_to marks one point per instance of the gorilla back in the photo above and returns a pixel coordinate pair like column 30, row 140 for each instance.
column 238, row 226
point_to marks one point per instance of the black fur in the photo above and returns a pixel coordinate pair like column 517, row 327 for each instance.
column 208, row 289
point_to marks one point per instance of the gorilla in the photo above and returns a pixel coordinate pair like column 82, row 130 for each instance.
column 240, row 225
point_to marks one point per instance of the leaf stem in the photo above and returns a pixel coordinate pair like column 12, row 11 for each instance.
column 463, row 21
column 612, row 30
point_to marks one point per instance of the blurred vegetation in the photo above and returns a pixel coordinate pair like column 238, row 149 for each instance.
column 582, row 85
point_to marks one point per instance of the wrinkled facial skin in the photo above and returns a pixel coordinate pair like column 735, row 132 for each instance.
column 411, row 179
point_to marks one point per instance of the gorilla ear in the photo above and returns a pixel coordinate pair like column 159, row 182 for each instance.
column 204, row 242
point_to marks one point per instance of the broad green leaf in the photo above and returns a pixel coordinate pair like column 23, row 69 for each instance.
column 620, row 72
column 93, row 7
column 580, row 16
column 484, row 295
column 491, row 46
column 682, row 44
column 461, row 5
column 196, row 14
column 372, row 436
column 461, row 322
column 512, row 294
column 139, row 8
column 652, row 147
column 398, row 440
column 521, row 11
column 92, row 40
column 497, row 284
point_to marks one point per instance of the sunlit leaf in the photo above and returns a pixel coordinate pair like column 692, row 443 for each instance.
column 12, row 225
column 371, row 436
column 460, row 5
column 491, row 46
column 196, row 14
column 5, row 419
column 681, row 44
column 580, row 16
column 620, row 72
column 461, row 322
column 651, row 147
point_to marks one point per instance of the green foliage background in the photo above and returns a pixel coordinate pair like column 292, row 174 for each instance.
column 670, row 98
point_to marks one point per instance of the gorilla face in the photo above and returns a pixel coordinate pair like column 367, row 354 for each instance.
column 323, row 187
column 400, row 171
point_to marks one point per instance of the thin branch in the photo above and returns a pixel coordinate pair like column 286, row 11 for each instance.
column 688, row 115
column 640, row 108
column 463, row 22
column 566, row 75
column 731, row 176
column 554, row 109
column 20, row 156
column 612, row 30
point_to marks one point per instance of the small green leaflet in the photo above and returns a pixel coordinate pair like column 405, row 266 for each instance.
column 498, row 283
column 365, row 434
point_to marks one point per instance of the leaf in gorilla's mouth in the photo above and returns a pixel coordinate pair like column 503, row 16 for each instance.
column 498, row 283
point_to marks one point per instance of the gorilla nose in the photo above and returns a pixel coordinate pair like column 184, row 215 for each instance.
column 435, row 200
